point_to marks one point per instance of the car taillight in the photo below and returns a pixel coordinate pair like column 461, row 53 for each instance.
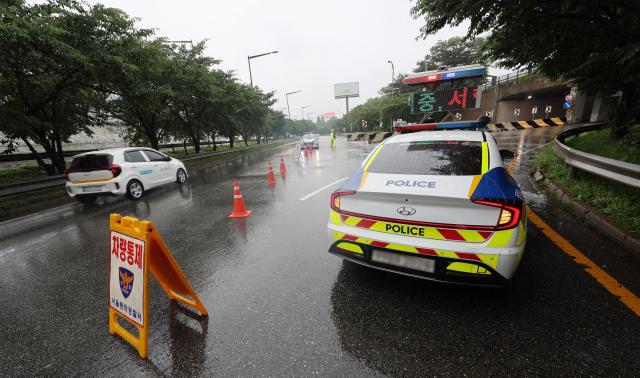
column 335, row 199
column 509, row 214
column 115, row 170
column 66, row 174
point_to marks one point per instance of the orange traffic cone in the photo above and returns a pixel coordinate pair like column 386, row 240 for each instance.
column 239, row 211
column 271, row 178
column 283, row 169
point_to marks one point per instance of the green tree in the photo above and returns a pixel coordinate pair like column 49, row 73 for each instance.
column 145, row 93
column 276, row 123
column 194, row 91
column 593, row 43
column 250, row 116
column 452, row 52
column 224, row 104
column 55, row 68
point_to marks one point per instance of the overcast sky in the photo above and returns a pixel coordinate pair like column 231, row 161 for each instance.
column 320, row 42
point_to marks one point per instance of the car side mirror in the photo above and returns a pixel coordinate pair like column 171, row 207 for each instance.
column 168, row 158
column 506, row 154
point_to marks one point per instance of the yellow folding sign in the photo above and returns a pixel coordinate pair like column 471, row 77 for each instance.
column 137, row 248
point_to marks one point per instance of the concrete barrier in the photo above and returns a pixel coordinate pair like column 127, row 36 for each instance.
column 381, row 136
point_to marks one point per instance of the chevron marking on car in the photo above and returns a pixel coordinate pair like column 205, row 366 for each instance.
column 490, row 260
column 472, row 236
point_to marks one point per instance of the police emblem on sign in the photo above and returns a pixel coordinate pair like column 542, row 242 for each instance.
column 126, row 281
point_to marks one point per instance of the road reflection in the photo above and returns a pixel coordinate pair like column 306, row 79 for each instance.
column 397, row 325
column 188, row 333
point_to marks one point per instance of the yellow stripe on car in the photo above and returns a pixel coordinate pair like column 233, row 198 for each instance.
column 485, row 157
column 350, row 247
column 488, row 259
column 467, row 268
column 474, row 184
column 501, row 238
column 373, row 156
column 335, row 217
column 411, row 230
column 88, row 181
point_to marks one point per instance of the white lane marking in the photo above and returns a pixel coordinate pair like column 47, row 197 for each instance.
column 321, row 189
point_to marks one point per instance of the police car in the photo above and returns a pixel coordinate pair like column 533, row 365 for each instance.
column 433, row 204
column 120, row 171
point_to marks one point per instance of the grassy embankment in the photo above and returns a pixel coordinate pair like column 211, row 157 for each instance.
column 619, row 201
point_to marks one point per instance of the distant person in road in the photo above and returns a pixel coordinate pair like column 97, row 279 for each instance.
column 332, row 138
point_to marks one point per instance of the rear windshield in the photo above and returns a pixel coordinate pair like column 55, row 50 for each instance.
column 91, row 161
column 441, row 158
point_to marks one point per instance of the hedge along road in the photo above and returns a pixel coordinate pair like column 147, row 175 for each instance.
column 279, row 304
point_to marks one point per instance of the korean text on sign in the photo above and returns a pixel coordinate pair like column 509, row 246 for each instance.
column 127, row 250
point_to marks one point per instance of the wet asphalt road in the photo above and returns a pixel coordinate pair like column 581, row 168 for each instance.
column 280, row 305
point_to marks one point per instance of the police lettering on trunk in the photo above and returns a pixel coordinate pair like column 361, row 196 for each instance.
column 404, row 229
column 412, row 183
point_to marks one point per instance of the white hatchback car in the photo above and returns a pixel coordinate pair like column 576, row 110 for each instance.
column 119, row 171
column 434, row 204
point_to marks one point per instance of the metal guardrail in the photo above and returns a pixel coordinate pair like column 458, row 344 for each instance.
column 7, row 158
column 626, row 173
column 511, row 77
column 53, row 181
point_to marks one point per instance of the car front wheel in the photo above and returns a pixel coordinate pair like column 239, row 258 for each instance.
column 135, row 190
column 181, row 176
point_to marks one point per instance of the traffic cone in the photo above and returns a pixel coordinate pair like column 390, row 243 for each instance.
column 271, row 178
column 239, row 211
column 283, row 169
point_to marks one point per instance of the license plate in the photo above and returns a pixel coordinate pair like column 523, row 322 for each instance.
column 403, row 261
column 96, row 188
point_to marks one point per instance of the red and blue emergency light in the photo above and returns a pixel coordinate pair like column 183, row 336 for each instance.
column 429, row 77
column 412, row 128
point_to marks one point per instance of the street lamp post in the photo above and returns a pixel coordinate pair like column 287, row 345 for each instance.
column 393, row 71
column 287, row 96
column 302, row 110
column 256, row 56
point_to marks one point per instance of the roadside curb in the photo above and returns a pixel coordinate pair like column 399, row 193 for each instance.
column 592, row 216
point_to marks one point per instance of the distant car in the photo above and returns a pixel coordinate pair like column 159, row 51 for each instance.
column 310, row 141
column 121, row 171
column 433, row 204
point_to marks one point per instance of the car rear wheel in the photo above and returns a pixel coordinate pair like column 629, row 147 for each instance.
column 135, row 190
column 86, row 199
column 181, row 176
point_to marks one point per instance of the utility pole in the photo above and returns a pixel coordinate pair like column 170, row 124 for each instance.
column 287, row 96
column 256, row 56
